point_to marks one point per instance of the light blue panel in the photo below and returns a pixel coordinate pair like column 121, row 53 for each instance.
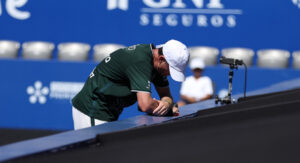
column 36, row 94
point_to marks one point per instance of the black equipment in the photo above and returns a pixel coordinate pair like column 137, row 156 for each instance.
column 233, row 64
column 231, row 61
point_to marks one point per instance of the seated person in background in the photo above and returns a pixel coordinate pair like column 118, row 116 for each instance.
column 196, row 88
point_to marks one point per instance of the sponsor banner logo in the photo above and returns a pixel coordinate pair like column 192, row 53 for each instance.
column 37, row 93
column 64, row 90
column 13, row 9
column 199, row 13
column 57, row 90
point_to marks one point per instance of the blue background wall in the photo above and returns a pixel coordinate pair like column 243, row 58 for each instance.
column 255, row 24
column 229, row 23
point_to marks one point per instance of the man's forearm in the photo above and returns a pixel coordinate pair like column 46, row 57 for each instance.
column 206, row 97
column 146, row 103
column 188, row 99
column 154, row 104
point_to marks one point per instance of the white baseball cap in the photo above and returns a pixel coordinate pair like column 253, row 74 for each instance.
column 177, row 56
column 197, row 63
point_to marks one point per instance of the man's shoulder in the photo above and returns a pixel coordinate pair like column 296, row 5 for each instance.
column 142, row 54
column 205, row 79
column 132, row 54
column 138, row 47
column 189, row 79
column 144, row 48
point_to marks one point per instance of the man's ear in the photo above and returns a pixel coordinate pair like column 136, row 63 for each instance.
column 161, row 58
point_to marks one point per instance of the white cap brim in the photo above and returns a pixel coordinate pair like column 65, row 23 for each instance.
column 176, row 75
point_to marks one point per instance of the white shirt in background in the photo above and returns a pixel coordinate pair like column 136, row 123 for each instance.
column 197, row 88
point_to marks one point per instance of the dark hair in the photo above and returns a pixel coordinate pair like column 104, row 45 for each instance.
column 160, row 52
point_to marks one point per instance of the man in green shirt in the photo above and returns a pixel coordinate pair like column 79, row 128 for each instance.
column 125, row 77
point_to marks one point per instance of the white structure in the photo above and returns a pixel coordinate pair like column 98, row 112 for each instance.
column 9, row 49
column 37, row 50
column 244, row 54
column 208, row 54
column 73, row 51
column 103, row 50
column 273, row 58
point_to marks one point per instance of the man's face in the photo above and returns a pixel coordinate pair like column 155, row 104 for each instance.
column 197, row 72
column 163, row 67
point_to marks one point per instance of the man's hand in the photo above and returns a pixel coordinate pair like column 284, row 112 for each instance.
column 175, row 110
column 162, row 109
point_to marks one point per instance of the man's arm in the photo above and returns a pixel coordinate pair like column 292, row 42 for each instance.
column 165, row 102
column 208, row 96
column 146, row 103
column 188, row 99
column 156, row 107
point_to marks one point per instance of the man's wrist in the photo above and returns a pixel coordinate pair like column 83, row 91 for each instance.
column 171, row 111
column 169, row 102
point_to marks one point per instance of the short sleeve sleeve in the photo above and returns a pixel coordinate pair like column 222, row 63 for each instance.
column 139, row 76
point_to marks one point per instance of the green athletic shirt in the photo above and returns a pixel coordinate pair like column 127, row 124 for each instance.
column 113, row 84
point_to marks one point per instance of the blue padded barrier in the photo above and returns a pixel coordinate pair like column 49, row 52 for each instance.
column 38, row 145
column 22, row 80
